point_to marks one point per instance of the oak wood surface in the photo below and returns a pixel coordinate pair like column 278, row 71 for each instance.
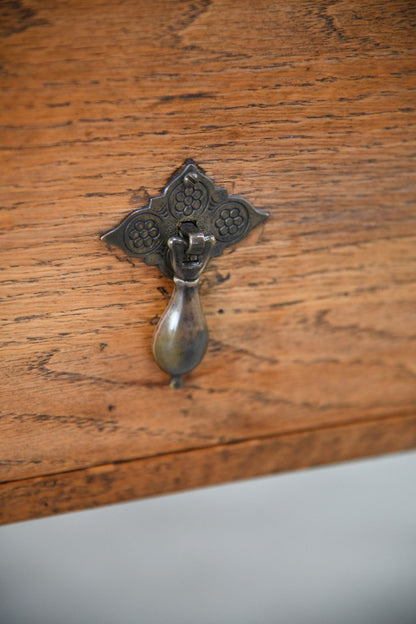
column 172, row 472
column 307, row 109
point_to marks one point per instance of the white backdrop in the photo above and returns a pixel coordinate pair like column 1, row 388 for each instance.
column 331, row 545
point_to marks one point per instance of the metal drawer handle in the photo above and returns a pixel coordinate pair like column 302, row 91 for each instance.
column 180, row 231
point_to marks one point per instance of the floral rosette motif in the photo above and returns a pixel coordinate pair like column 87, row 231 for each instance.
column 231, row 222
column 189, row 198
column 142, row 235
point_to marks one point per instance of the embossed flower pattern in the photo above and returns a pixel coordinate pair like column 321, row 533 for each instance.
column 144, row 233
column 230, row 221
column 190, row 197
column 187, row 200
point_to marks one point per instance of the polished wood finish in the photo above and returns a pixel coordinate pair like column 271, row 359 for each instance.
column 305, row 108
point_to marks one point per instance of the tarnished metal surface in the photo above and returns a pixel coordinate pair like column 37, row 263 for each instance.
column 180, row 231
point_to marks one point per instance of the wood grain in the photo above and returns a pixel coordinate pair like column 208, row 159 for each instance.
column 305, row 108
column 161, row 474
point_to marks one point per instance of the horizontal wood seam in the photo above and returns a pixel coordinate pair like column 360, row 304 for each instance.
column 224, row 446
column 102, row 485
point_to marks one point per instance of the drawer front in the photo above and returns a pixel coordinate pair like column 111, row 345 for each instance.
column 305, row 109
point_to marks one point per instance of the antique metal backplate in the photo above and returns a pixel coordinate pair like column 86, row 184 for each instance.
column 180, row 231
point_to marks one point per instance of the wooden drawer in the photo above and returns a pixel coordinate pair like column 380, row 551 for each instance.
column 304, row 108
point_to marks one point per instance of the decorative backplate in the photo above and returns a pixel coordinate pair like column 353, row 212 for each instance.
column 189, row 198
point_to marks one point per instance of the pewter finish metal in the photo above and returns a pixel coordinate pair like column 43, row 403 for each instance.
column 181, row 337
column 180, row 231
column 190, row 197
